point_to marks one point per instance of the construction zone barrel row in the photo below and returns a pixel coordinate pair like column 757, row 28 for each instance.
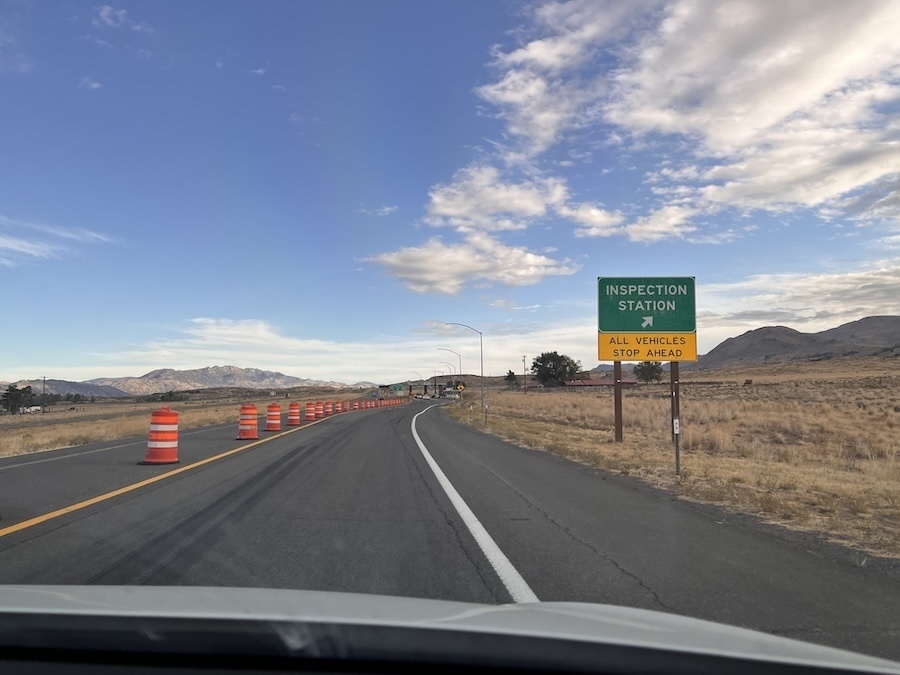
column 162, row 442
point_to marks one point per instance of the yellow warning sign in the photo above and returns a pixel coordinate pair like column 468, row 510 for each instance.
column 647, row 346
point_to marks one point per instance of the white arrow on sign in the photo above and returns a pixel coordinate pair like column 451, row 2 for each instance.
column 648, row 321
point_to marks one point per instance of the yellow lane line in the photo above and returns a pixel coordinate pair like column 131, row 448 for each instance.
column 37, row 520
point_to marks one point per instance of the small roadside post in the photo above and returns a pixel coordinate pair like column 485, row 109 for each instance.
column 617, row 405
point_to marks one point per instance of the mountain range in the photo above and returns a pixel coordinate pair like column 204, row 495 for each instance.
column 871, row 336
column 168, row 379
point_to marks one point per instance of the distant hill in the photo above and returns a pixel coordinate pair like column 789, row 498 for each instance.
column 167, row 379
column 64, row 387
column 871, row 336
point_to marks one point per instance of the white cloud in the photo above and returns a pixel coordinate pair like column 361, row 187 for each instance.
column 436, row 267
column 808, row 302
column 538, row 94
column 219, row 64
column 745, row 106
column 16, row 248
column 23, row 242
column 279, row 87
column 537, row 109
column 578, row 30
column 478, row 199
column 295, row 118
column 778, row 107
column 597, row 221
column 787, row 99
column 380, row 211
column 88, row 83
column 667, row 222
column 97, row 41
column 258, row 71
column 109, row 17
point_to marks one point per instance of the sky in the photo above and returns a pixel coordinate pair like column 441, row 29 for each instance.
column 319, row 187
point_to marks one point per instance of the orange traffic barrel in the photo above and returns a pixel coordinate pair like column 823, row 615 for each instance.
column 273, row 417
column 338, row 407
column 320, row 410
column 248, row 425
column 294, row 415
column 356, row 405
column 162, row 444
column 310, row 413
column 328, row 408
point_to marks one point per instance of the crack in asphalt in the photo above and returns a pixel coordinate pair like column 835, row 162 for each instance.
column 579, row 540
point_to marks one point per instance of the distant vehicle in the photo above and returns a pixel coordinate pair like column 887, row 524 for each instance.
column 32, row 409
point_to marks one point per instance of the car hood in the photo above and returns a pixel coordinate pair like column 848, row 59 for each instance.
column 571, row 621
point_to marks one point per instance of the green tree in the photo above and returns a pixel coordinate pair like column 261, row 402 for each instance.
column 14, row 398
column 551, row 369
column 648, row 371
column 511, row 380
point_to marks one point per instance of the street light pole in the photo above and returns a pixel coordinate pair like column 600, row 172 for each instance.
column 524, row 375
column 452, row 367
column 481, row 350
column 444, row 349
column 421, row 378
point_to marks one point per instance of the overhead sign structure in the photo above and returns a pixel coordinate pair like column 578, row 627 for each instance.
column 646, row 319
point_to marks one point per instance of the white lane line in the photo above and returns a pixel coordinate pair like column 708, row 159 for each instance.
column 517, row 586
column 112, row 447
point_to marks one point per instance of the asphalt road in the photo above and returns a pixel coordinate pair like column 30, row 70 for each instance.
column 353, row 504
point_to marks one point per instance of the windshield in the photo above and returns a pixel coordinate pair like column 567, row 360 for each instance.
column 303, row 296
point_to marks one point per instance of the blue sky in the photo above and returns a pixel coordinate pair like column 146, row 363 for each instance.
column 316, row 187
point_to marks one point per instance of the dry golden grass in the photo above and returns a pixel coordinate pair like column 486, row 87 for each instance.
column 809, row 453
column 111, row 421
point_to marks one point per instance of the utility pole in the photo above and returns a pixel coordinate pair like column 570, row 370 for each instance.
column 44, row 395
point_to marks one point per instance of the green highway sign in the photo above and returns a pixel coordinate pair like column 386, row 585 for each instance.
column 646, row 305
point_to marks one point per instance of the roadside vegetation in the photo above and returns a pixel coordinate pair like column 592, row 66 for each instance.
column 798, row 445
